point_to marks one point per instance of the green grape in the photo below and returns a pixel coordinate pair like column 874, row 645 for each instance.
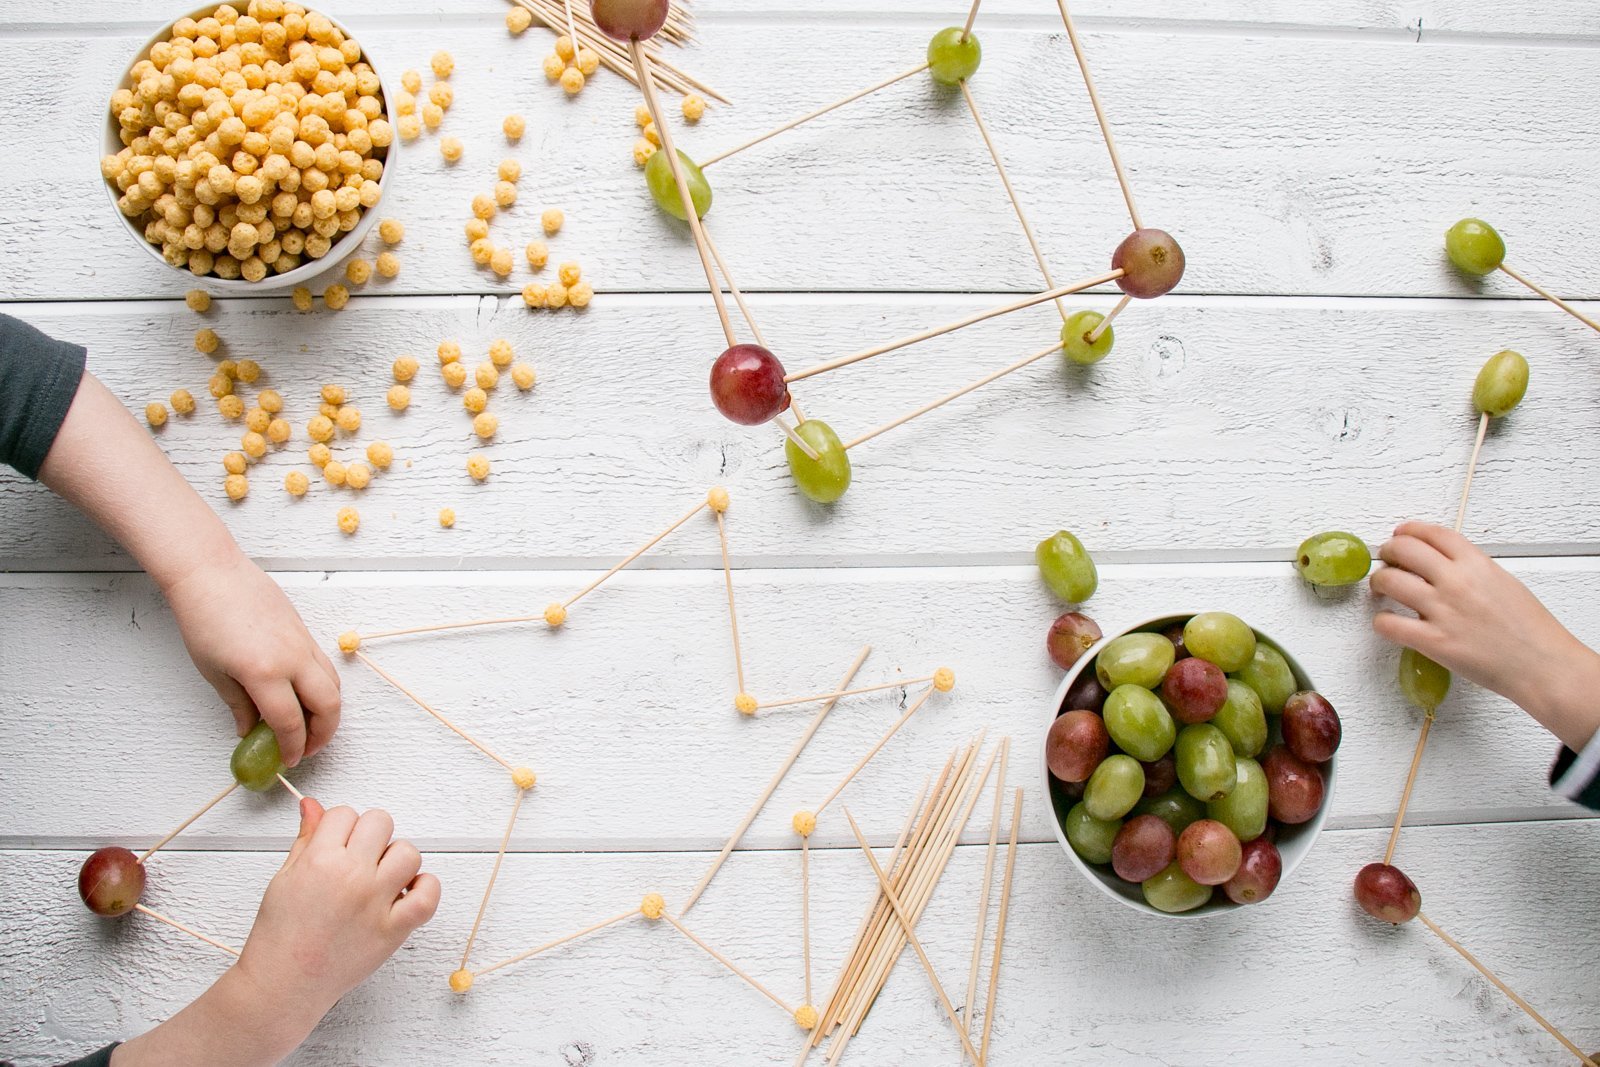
column 1173, row 891
column 664, row 187
column 1242, row 720
column 1114, row 787
column 824, row 479
column 1090, row 838
column 1134, row 659
column 1244, row 811
column 1501, row 384
column 1223, row 639
column 1207, row 766
column 1333, row 558
column 1075, row 338
column 1423, row 681
column 1066, row 567
column 953, row 56
column 1139, row 723
column 1474, row 246
column 1270, row 675
column 1175, row 807
column 256, row 762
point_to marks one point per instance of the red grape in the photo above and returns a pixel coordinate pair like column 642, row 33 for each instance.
column 1259, row 870
column 1386, row 894
column 1174, row 633
column 1143, row 848
column 1294, row 787
column 1151, row 263
column 1070, row 637
column 629, row 19
column 111, row 881
column 1311, row 727
column 747, row 385
column 1160, row 776
column 1086, row 692
column 1075, row 745
column 1208, row 852
column 1195, row 690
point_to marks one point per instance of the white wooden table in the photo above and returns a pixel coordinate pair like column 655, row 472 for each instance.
column 1312, row 372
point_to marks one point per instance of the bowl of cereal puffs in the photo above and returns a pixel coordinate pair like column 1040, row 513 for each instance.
column 250, row 145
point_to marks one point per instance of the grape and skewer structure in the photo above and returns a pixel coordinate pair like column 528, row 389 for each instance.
column 1476, row 248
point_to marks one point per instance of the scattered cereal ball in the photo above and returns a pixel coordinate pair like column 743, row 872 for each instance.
column 442, row 95
column 388, row 264
column 278, row 431
column 155, row 413
column 336, row 297
column 270, row 401
column 450, row 148
column 228, row 369
column 551, row 220
column 410, row 127
column 454, row 375
column 358, row 271
column 333, row 472
column 329, row 411
column 588, row 61
column 349, row 641
column 349, row 520
column 533, row 295
column 514, row 126
column 220, row 385
column 461, row 981
column 642, row 151
column 580, row 295
column 555, row 614
column 502, row 262
column 555, row 296
column 405, row 368
column 333, row 393
column 206, row 341
column 442, row 64
column 652, row 906
column 944, row 679
column 484, row 207
column 518, row 19
column 302, row 298
column 505, row 194
column 254, row 445
column 296, row 483
column 198, row 300
column 524, row 777
column 500, row 353
column 380, row 454
column 509, row 170
column 237, row 486
column 182, row 402
column 482, row 251
column 474, row 400
column 449, row 352
column 447, row 517
column 694, row 107
column 641, row 116
column 523, row 375
column 320, row 428
column 257, row 420
column 411, row 81
column 653, row 135
column 745, row 703
column 319, row 454
column 349, row 419
column 538, row 254
column 805, row 1017
column 230, row 406
column 565, row 48
column 357, row 475
column 391, row 231
column 247, row 371
column 486, row 376
column 485, row 424
column 804, row 822
column 572, row 81
column 554, row 66
column 717, row 498
column 570, row 273
column 478, row 467
column 235, row 463
column 399, row 397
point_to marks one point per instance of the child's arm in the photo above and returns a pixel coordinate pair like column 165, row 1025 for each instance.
column 344, row 901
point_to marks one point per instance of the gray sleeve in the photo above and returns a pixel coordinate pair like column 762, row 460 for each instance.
column 39, row 376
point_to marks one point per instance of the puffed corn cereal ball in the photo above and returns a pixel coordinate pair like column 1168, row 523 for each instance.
column 518, row 19
column 570, row 273
column 399, row 397
column 443, row 65
column 485, row 424
column 230, row 407
column 580, row 295
column 279, row 431
column 380, row 454
column 552, row 220
column 641, row 116
column 478, row 467
column 500, row 353
column 270, row 401
column 391, row 231
column 745, row 703
column 247, row 371
column 349, row 520
column 182, row 402
column 482, row 251
column 804, row 822
column 302, row 298
column 565, row 48
column 486, row 376
column 328, row 411
column 805, row 1017
column 357, row 475
column 642, row 151
column 320, row 428
column 237, row 486
column 523, row 375
column 155, row 413
column 235, row 463
column 253, row 444
column 555, row 296
column 206, row 341
column 461, row 981
column 572, row 81
column 474, row 400
column 336, row 297
column 410, row 128
column 533, row 295
column 652, row 906
column 387, row 265
column 358, row 271
column 509, row 170
column 694, row 107
column 442, row 95
column 502, row 262
column 484, row 207
column 319, row 454
column 717, row 499
column 348, row 419
column 449, row 352
column 447, row 517
column 538, row 254
column 554, row 66
column 411, row 81
column 333, row 472
column 524, row 777
column 405, row 368
column 228, row 368
column 944, row 679
column 198, row 300
column 296, row 483
column 505, row 194
column 349, row 641
column 454, row 375
column 514, row 127
column 257, row 420
column 588, row 61
column 653, row 135
column 432, row 115
column 555, row 614
column 451, row 148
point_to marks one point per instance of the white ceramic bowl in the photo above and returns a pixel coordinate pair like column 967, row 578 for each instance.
column 1294, row 842
column 111, row 144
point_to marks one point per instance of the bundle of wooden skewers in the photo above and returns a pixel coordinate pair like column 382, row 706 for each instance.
column 572, row 17
column 906, row 884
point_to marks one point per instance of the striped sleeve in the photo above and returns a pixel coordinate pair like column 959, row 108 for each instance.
column 1576, row 775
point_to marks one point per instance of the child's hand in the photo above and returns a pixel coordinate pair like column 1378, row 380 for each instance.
column 247, row 640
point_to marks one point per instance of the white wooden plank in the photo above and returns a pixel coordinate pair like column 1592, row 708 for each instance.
column 1302, row 178
column 1304, row 978
column 627, row 717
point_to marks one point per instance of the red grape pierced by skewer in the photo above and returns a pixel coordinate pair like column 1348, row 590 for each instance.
column 111, row 881
column 1385, row 893
column 629, row 19
column 747, row 385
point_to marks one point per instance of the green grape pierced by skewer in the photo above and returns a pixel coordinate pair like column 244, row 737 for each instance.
column 256, row 762
column 1501, row 384
column 953, row 56
column 1423, row 681
column 1474, row 246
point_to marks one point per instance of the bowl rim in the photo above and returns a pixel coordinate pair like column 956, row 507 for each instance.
column 1107, row 882
column 111, row 143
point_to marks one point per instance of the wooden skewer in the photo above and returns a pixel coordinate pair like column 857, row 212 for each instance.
column 1411, row 780
column 1472, row 467
column 837, row 694
column 1105, row 323
column 972, row 16
column 799, row 442
column 988, row 883
column 805, row 909
column 185, row 824
column 641, row 63
column 772, row 787
column 916, row 705
column 726, row 962
column 293, row 791
column 494, row 873
column 733, row 616
column 1099, row 114
column 1005, row 180
column 572, row 28
column 815, row 114
column 955, row 395
column 635, row 554
column 738, row 296
column 907, row 925
column 980, row 316
column 419, row 702
column 176, row 925
column 1556, row 300
column 558, row 942
column 506, row 621
column 1000, row 930
column 615, row 57
column 1507, row 990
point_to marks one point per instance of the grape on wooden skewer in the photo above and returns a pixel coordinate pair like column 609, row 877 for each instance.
column 1151, row 262
column 111, row 881
column 953, row 56
column 1476, row 248
column 747, row 385
column 1076, row 342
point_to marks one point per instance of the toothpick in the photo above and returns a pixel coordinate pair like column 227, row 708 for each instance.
column 176, row 925
column 1005, row 180
column 956, row 395
column 726, row 962
column 980, row 316
column 293, row 791
column 918, row 69
column 733, row 616
column 505, row 621
column 988, row 883
column 799, row 442
column 1411, row 780
column 641, row 63
column 1472, row 467
column 772, row 787
column 805, row 908
column 572, row 28
column 1099, row 114
column 972, row 16
column 419, row 702
column 1556, row 300
column 738, row 296
column 185, row 824
column 837, row 694
column 875, row 749
column 641, row 550
column 1507, row 990
column 494, row 873
column 558, row 942
column 1000, row 930
column 907, row 925
column 1105, row 323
